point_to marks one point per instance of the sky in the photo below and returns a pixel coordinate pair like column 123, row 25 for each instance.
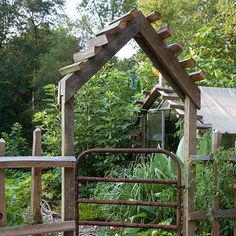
column 126, row 52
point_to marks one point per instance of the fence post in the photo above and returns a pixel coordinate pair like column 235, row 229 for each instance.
column 36, row 186
column 3, row 209
column 216, row 140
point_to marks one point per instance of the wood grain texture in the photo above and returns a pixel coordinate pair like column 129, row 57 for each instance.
column 151, row 98
column 36, row 184
column 190, row 121
column 35, row 161
column 167, row 63
column 87, row 53
column 197, row 76
column 153, row 17
column 71, row 84
column 98, row 41
column 114, row 28
column 3, row 210
column 71, row 68
column 188, row 63
column 166, row 31
column 126, row 17
column 176, row 48
column 68, row 174
column 37, row 229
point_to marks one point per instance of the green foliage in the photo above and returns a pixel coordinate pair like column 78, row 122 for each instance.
column 215, row 178
column 49, row 122
column 16, row 144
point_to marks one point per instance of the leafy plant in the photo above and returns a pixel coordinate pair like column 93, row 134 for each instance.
column 16, row 144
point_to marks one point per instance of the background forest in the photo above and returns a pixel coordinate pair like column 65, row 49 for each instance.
column 37, row 38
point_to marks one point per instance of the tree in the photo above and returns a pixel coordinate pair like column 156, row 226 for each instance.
column 96, row 14
column 207, row 29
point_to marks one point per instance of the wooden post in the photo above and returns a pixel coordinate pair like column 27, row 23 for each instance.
column 3, row 209
column 36, row 185
column 216, row 139
column 143, row 121
column 68, row 173
column 190, row 121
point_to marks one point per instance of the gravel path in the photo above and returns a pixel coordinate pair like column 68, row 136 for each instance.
column 86, row 230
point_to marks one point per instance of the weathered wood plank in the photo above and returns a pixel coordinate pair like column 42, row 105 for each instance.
column 114, row 28
column 166, row 31
column 98, row 41
column 165, row 89
column 176, row 48
column 73, row 82
column 166, row 63
column 190, row 121
column 37, row 229
column 201, row 214
column 68, row 174
column 153, row 17
column 188, row 63
column 174, row 105
column 36, row 185
column 3, row 210
column 126, row 17
column 71, row 68
column 167, row 96
column 86, row 54
column 197, row 76
column 234, row 191
column 148, row 102
column 216, row 140
column 36, row 161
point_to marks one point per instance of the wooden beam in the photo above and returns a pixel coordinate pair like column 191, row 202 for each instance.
column 190, row 121
column 68, row 174
column 37, row 229
column 36, row 185
column 180, row 113
column 87, row 53
column 166, row 31
column 201, row 214
column 176, row 48
column 3, row 209
column 126, row 17
column 197, row 76
column 148, row 102
column 153, row 17
column 36, row 161
column 71, row 84
column 166, row 96
column 114, row 28
column 165, row 89
column 188, row 63
column 165, row 62
column 174, row 105
column 71, row 68
column 98, row 41
column 216, row 140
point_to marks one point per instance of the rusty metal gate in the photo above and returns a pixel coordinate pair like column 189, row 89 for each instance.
column 173, row 182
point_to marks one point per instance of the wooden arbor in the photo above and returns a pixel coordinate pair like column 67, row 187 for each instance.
column 99, row 51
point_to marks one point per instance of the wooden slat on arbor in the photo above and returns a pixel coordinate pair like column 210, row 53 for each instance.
column 167, row 96
column 180, row 114
column 71, row 68
column 197, row 76
column 98, row 41
column 166, row 63
column 126, row 17
column 73, row 82
column 150, row 99
column 176, row 47
column 36, row 161
column 188, row 63
column 153, row 17
column 174, row 105
column 87, row 53
column 166, row 31
column 165, row 89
